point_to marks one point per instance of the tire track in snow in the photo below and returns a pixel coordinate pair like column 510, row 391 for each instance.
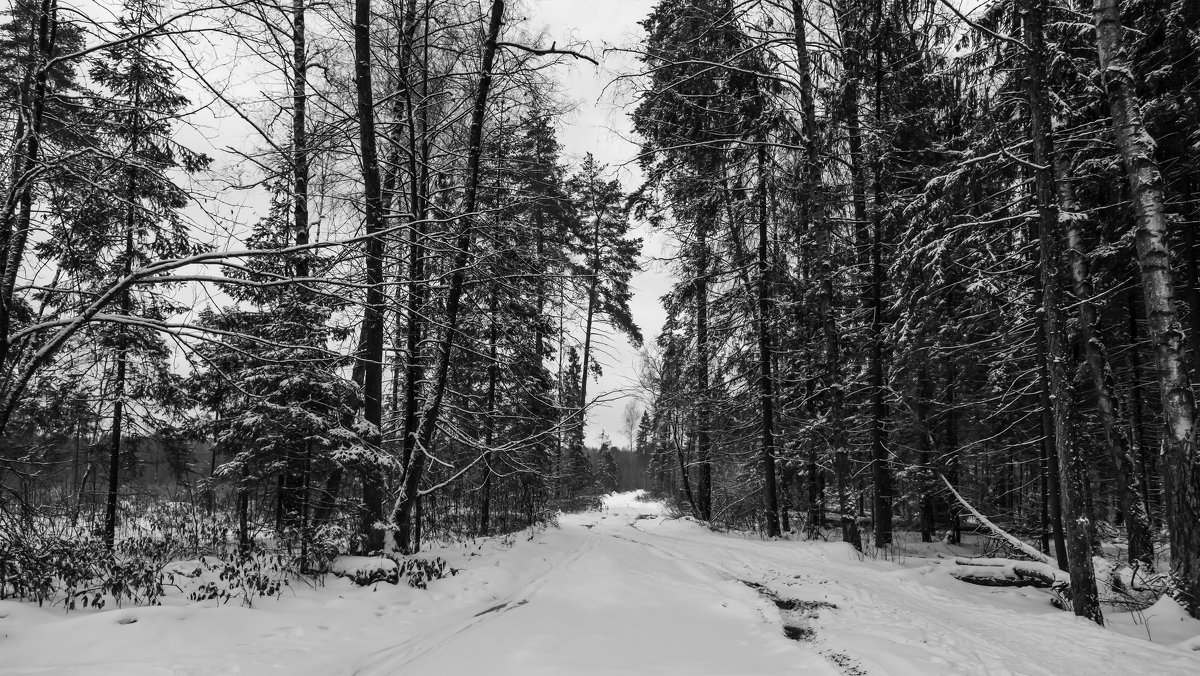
column 394, row 659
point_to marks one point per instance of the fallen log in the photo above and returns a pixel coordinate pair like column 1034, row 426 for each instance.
column 1040, row 572
column 1009, row 573
column 1019, row 544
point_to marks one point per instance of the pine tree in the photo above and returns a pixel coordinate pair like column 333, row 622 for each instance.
column 689, row 115
column 277, row 390
column 133, row 214
column 604, row 259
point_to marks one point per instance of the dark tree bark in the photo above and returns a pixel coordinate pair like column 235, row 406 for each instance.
column 114, row 453
column 485, row 508
column 952, row 452
column 1129, row 476
column 1191, row 259
column 687, row 483
column 124, row 308
column 704, row 223
column 417, row 293
column 243, row 512
column 370, row 354
column 814, row 219
column 1072, row 465
column 1137, row 431
column 881, row 468
column 14, row 222
column 300, row 474
column 403, row 512
column 766, row 387
column 118, row 415
column 300, row 161
column 1052, row 505
column 926, row 444
column 589, row 321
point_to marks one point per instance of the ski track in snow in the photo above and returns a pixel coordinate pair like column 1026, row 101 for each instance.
column 625, row 590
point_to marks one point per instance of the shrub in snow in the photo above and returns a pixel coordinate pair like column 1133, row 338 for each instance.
column 365, row 570
column 419, row 572
column 246, row 577
column 74, row 572
column 327, row 541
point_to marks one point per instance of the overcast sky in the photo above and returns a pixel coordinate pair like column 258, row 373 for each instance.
column 600, row 125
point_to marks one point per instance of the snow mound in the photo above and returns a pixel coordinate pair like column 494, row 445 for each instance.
column 1167, row 610
column 1168, row 622
column 365, row 570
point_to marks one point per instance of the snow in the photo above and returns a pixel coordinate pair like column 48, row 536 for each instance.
column 629, row 589
column 1164, row 622
column 355, row 566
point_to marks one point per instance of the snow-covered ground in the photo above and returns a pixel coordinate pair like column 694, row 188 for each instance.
column 625, row 590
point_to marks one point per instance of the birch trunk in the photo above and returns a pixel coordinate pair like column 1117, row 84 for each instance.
column 1181, row 478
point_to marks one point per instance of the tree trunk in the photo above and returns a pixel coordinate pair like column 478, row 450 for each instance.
column 1181, row 474
column 881, row 468
column 1137, row 431
column 417, row 286
column 300, row 163
column 305, row 494
column 300, row 173
column 952, row 452
column 403, row 510
column 125, row 308
column 14, row 222
column 243, row 512
column 114, row 456
column 1072, row 464
column 490, row 425
column 928, row 507
column 1049, row 456
column 371, row 349
column 1191, row 258
column 687, row 484
column 590, row 317
column 766, row 392
column 703, row 441
column 1129, row 478
column 813, row 219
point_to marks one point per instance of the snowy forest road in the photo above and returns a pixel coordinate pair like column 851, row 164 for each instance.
column 614, row 602
column 627, row 590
